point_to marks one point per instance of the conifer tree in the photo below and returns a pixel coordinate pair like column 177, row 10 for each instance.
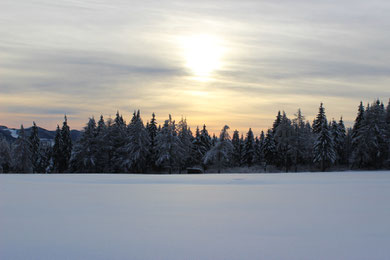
column 66, row 148
column 237, row 151
column 220, row 154
column 34, row 147
column 284, row 139
column 169, row 146
column 324, row 153
column 84, row 153
column 186, row 138
column 249, row 148
column 269, row 149
column 57, row 152
column 277, row 122
column 320, row 119
column 137, row 148
column 5, row 156
column 22, row 154
column 152, row 130
column 197, row 151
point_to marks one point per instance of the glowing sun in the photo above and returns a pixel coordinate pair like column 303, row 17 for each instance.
column 202, row 54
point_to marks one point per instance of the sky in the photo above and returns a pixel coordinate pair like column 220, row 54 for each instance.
column 213, row 62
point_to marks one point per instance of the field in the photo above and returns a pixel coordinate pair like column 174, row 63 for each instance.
column 228, row 216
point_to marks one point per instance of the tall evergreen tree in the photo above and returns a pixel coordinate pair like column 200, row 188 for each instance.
column 83, row 158
column 57, row 152
column 319, row 121
column 137, row 148
column 237, row 149
column 35, row 147
column 169, row 147
column 66, row 148
column 152, row 130
column 324, row 152
column 269, row 149
column 5, row 156
column 249, row 148
column 21, row 154
column 220, row 154
column 284, row 139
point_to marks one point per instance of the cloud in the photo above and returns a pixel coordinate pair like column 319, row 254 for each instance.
column 93, row 57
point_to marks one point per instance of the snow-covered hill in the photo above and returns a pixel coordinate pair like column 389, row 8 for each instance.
column 46, row 135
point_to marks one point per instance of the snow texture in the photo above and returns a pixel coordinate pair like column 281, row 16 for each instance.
column 13, row 132
column 232, row 216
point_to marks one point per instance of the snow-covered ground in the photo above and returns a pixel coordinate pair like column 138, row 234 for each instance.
column 236, row 216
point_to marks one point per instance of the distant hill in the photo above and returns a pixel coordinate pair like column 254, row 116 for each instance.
column 12, row 134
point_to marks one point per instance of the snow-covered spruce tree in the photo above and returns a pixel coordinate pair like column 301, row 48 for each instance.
column 197, row 152
column 388, row 134
column 338, row 136
column 205, row 139
column 358, row 139
column 103, row 148
column 237, row 157
column 137, row 147
column 169, row 147
column 21, row 154
column 117, row 135
column 56, row 158
column 66, row 148
column 283, row 140
column 324, row 152
column 249, row 148
column 152, row 130
column 83, row 157
column 259, row 143
column 45, row 152
column 34, row 147
column 269, row 149
column 376, row 135
column 5, row 156
column 186, row 138
column 299, row 144
column 320, row 119
column 220, row 154
column 277, row 121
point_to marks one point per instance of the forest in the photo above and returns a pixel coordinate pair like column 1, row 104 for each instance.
column 113, row 146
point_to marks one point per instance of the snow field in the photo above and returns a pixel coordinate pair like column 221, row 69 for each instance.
column 229, row 216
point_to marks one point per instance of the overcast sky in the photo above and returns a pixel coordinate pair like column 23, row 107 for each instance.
column 91, row 57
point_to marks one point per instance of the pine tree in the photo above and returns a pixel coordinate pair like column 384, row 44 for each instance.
column 152, row 130
column 66, row 148
column 22, row 154
column 169, row 147
column 277, row 121
column 319, row 121
column 137, row 148
column 249, row 148
column 259, row 143
column 358, row 139
column 269, row 149
column 186, row 138
column 117, row 135
column 5, row 156
column 324, row 153
column 34, row 147
column 220, row 154
column 84, row 153
column 57, row 152
column 197, row 151
column 237, row 151
column 283, row 140
column 103, row 147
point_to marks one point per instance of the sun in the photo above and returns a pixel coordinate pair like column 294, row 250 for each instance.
column 202, row 55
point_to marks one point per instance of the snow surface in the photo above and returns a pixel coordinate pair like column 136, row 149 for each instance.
column 233, row 216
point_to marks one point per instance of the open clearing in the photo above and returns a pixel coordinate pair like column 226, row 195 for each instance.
column 339, row 215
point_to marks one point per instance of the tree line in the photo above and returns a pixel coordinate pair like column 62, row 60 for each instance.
column 113, row 146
